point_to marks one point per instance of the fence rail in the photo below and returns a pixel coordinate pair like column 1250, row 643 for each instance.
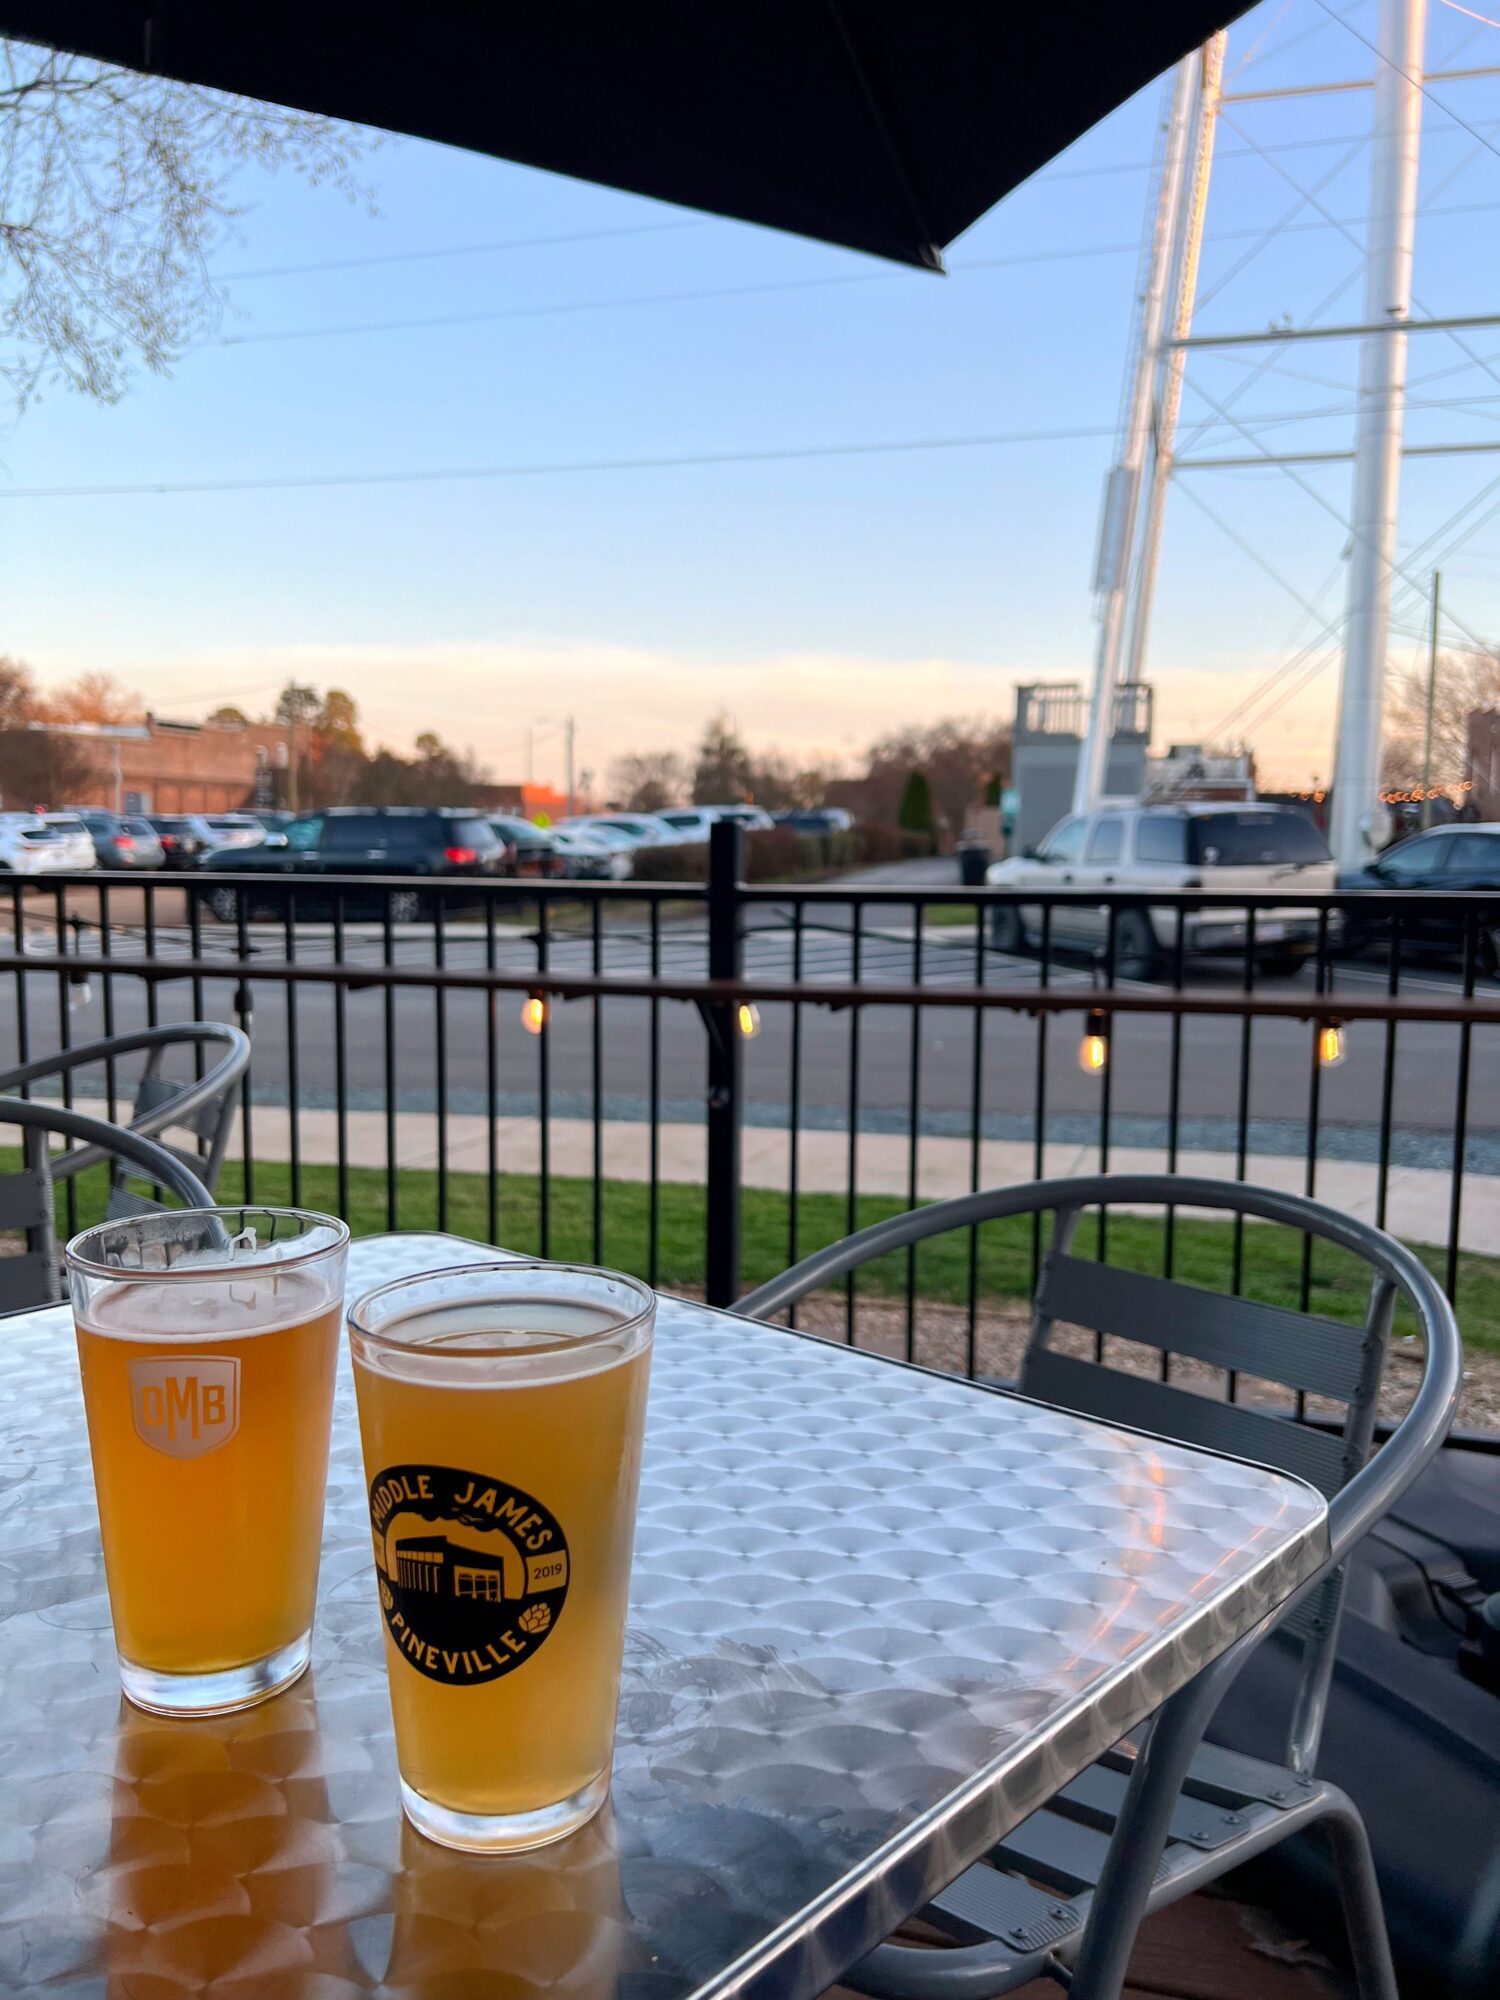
column 901, row 1053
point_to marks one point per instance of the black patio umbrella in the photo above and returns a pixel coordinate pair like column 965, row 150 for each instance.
column 882, row 125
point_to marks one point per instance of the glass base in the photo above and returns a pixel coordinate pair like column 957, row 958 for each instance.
column 216, row 1694
column 504, row 1833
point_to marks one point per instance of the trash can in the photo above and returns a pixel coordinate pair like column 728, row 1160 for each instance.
column 973, row 859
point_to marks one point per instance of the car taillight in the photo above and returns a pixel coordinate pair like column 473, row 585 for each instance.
column 461, row 857
column 169, row 840
column 124, row 840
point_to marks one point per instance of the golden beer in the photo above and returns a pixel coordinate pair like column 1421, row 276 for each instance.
column 209, row 1394
column 502, row 1430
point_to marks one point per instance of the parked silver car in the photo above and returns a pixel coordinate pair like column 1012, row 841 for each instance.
column 125, row 843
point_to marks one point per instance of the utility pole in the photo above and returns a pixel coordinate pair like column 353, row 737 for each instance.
column 568, row 747
column 1186, row 258
column 1122, row 491
column 1377, row 449
column 1432, row 658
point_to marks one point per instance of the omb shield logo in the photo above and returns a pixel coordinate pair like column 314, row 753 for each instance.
column 473, row 1572
column 188, row 1407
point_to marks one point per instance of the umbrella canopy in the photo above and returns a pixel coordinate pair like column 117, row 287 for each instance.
column 883, row 125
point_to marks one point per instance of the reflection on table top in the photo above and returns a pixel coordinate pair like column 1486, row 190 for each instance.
column 877, row 1618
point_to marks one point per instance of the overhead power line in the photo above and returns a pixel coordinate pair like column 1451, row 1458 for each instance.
column 462, row 250
column 832, row 281
column 287, row 482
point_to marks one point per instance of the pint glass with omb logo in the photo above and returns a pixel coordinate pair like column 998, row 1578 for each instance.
column 501, row 1410
column 208, row 1343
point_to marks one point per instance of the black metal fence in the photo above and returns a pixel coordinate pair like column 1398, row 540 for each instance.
column 707, row 1081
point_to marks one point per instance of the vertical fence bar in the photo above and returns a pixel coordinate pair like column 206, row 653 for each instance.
column 1314, row 1109
column 107, row 1001
column 794, row 1102
column 65, row 1041
column 596, row 1039
column 1242, row 1120
column 1461, row 1109
column 851, row 1214
column 1174, row 1111
column 725, row 1067
column 293, row 1054
column 914, row 1136
column 653, row 1086
column 23, row 1017
column 440, row 1053
column 244, row 1007
column 976, row 1136
column 1039, row 1100
column 1388, row 1075
column 1106, row 1106
column 341, row 1058
column 544, row 1087
column 195, row 951
column 148, row 942
column 491, row 1081
column 388, row 941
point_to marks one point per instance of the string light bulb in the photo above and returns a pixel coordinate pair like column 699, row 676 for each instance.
column 534, row 1013
column 1093, row 1050
column 1331, row 1049
column 747, row 1019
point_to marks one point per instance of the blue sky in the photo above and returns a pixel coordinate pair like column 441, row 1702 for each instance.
column 820, row 600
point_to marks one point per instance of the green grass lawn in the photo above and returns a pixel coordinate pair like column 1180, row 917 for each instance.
column 1271, row 1267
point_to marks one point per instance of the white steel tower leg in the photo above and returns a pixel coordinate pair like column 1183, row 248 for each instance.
column 1174, row 364
column 1377, row 450
column 1122, row 494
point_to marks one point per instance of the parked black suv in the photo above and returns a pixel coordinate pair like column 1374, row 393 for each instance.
column 453, row 843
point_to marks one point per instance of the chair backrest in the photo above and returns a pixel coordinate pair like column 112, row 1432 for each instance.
column 32, row 1277
column 203, row 1104
column 1161, row 1318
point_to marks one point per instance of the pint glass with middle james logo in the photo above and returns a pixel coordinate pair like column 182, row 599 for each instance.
column 208, row 1343
column 501, row 1409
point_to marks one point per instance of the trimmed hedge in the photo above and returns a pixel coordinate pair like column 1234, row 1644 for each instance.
column 778, row 854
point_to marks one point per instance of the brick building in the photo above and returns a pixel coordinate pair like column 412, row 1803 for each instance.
column 150, row 766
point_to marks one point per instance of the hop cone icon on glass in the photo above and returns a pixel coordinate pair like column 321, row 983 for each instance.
column 535, row 1618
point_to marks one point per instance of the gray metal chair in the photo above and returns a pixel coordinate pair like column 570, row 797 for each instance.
column 33, row 1276
column 1153, row 1821
column 203, row 1103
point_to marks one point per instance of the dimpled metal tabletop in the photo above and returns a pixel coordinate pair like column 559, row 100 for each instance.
column 877, row 1617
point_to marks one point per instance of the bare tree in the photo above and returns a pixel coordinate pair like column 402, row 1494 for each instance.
column 95, row 696
column 647, row 780
column 723, row 774
column 115, row 191
column 1465, row 682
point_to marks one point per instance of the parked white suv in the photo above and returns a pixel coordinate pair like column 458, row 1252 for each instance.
column 28, row 846
column 77, row 841
column 1177, row 848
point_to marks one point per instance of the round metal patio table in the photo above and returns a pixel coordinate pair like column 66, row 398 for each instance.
column 878, row 1616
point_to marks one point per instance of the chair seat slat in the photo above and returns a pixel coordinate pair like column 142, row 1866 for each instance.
column 1166, row 1411
column 1300, row 1350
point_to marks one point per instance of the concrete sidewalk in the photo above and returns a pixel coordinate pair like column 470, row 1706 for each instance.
column 1417, row 1202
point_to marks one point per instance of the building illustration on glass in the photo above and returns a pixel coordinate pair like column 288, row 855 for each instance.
column 440, row 1568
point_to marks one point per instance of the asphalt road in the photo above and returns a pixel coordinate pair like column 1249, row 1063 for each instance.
column 424, row 1046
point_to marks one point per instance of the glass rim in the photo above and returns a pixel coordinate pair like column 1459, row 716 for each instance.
column 196, row 1273
column 499, row 1267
